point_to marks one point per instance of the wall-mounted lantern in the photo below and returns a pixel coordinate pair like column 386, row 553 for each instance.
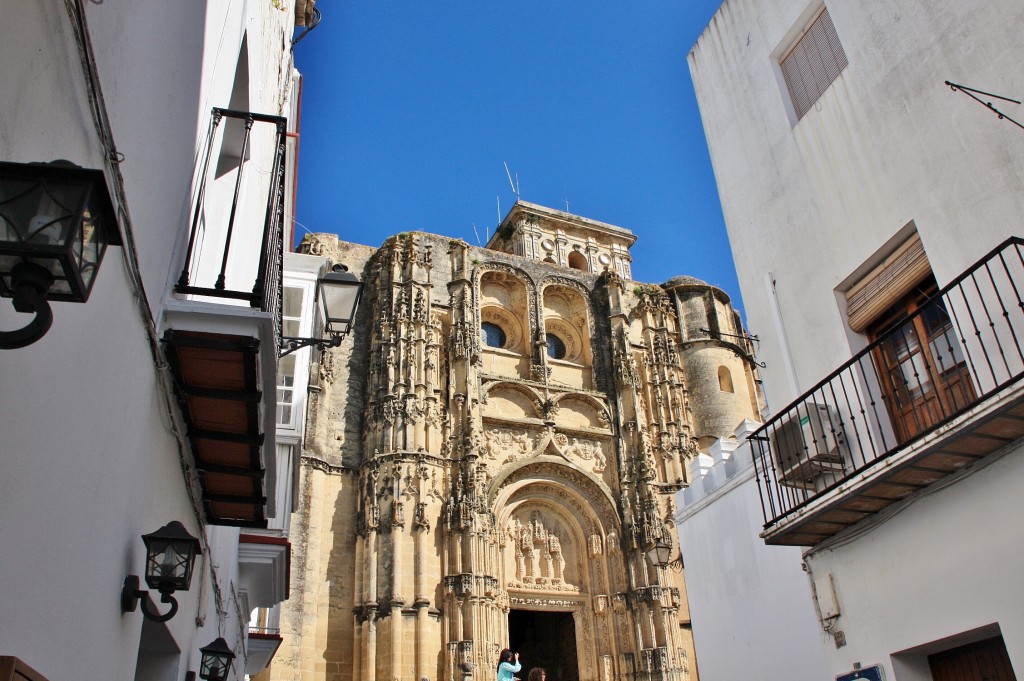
column 659, row 553
column 56, row 221
column 216, row 661
column 337, row 297
column 170, row 556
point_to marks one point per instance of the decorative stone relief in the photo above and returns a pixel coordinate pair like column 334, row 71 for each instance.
column 588, row 450
column 548, row 410
column 689, row 446
column 537, row 548
column 543, row 602
column 420, row 520
column 510, row 444
column 539, row 372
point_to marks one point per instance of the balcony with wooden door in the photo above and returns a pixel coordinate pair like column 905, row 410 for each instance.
column 937, row 390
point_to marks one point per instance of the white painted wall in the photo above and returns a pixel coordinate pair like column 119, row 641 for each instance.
column 88, row 441
column 750, row 604
column 887, row 143
column 947, row 564
column 807, row 205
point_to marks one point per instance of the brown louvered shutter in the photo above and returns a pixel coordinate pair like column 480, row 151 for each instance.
column 816, row 59
column 887, row 283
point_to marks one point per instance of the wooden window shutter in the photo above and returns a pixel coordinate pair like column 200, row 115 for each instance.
column 887, row 283
column 815, row 60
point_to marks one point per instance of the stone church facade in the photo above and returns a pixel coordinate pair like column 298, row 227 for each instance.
column 491, row 451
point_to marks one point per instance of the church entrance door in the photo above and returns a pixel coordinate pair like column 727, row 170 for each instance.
column 544, row 639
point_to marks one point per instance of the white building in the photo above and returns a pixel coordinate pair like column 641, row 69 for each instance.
column 855, row 185
column 151, row 401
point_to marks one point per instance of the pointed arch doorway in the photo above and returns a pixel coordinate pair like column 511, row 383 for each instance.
column 545, row 639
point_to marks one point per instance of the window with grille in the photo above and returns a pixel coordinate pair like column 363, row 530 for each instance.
column 813, row 63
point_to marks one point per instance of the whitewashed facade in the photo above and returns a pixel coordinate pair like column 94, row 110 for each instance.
column 116, row 422
column 855, row 184
column 750, row 604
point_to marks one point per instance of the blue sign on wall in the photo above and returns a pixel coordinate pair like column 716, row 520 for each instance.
column 866, row 674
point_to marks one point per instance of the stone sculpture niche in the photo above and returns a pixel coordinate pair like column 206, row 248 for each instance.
column 537, row 548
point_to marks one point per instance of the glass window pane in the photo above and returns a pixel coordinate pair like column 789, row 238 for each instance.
column 492, row 335
column 292, row 302
column 556, row 348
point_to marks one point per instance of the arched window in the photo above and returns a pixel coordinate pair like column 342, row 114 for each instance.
column 725, row 380
column 556, row 348
column 492, row 335
column 577, row 261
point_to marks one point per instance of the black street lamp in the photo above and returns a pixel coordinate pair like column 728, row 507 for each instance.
column 170, row 557
column 56, row 221
column 216, row 661
column 337, row 297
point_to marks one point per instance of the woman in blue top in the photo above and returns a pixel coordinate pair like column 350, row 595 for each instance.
column 508, row 665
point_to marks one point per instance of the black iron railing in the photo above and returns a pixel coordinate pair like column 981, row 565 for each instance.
column 243, row 184
column 961, row 346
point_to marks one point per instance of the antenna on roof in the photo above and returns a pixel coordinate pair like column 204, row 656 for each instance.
column 477, row 234
column 515, row 186
column 498, row 198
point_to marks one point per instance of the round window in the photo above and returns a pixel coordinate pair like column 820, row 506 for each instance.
column 556, row 348
column 493, row 335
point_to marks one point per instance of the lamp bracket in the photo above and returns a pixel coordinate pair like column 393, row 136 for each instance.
column 290, row 344
column 30, row 282
column 131, row 594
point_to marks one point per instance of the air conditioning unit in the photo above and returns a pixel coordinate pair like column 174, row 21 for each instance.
column 808, row 444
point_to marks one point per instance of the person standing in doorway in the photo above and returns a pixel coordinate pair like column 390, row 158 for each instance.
column 537, row 674
column 508, row 665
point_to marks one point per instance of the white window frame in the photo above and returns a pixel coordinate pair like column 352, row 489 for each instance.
column 291, row 430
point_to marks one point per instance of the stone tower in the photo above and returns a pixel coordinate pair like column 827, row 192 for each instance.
column 492, row 451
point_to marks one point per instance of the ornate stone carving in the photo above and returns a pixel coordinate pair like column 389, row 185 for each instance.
column 547, row 408
column 544, row 602
column 538, row 554
column 689, row 446
column 510, row 444
column 420, row 520
column 588, row 450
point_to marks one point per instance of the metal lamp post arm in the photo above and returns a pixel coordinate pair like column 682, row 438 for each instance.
column 30, row 282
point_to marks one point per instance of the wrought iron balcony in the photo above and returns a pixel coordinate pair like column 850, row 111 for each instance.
column 222, row 260
column 938, row 391
column 223, row 330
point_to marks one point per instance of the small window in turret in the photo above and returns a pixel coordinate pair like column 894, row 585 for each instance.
column 492, row 335
column 556, row 348
column 725, row 380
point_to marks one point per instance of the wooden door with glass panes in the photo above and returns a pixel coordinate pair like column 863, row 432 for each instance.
column 920, row 363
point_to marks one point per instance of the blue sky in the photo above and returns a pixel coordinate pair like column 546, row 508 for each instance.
column 410, row 109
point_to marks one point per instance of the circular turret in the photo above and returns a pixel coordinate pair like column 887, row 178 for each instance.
column 716, row 356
